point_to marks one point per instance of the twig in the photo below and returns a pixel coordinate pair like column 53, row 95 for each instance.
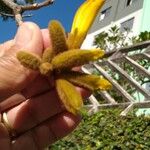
column 11, row 15
column 36, row 6
column 19, row 9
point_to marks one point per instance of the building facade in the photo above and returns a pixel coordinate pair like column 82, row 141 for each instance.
column 130, row 14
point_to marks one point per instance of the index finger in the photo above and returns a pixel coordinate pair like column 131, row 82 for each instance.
column 46, row 38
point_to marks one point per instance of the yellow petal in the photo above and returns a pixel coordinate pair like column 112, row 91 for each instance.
column 83, row 20
column 91, row 82
column 69, row 59
column 103, row 84
column 29, row 60
column 47, row 55
column 46, row 69
column 57, row 36
column 71, row 99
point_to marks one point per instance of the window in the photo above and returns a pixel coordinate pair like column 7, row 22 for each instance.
column 105, row 13
column 148, row 86
column 130, row 2
column 127, row 25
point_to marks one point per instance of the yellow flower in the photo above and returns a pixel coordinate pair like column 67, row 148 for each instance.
column 83, row 20
column 64, row 55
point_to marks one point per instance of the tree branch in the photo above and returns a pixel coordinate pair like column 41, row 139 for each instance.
column 36, row 6
column 11, row 4
column 11, row 15
column 19, row 9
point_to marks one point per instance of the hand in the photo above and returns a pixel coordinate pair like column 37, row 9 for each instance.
column 33, row 108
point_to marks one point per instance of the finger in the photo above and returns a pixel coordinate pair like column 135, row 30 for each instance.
column 33, row 90
column 84, row 92
column 14, row 77
column 4, row 138
column 38, row 86
column 12, row 101
column 35, row 110
column 47, row 84
column 29, row 38
column 48, row 132
column 46, row 38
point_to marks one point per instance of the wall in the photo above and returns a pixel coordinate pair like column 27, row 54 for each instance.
column 145, row 23
column 118, row 10
column 88, row 43
column 145, row 26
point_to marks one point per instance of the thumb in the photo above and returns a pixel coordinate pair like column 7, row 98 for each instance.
column 29, row 38
column 14, row 77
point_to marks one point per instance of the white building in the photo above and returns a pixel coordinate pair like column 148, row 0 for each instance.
column 123, row 13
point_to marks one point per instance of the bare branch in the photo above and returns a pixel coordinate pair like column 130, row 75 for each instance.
column 19, row 9
column 11, row 4
column 11, row 15
column 16, row 10
column 36, row 6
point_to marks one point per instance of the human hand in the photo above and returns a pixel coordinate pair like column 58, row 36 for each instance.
column 33, row 108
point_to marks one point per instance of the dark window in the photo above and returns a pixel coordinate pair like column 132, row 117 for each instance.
column 127, row 25
column 105, row 13
column 130, row 2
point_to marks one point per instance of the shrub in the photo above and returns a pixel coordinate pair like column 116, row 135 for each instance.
column 106, row 130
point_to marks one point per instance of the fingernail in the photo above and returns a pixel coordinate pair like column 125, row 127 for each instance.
column 23, row 36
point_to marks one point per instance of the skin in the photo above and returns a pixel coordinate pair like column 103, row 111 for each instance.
column 33, row 108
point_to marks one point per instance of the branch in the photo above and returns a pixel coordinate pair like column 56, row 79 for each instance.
column 11, row 15
column 11, row 4
column 19, row 9
column 36, row 6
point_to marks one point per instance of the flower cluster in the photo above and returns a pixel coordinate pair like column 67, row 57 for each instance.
column 65, row 54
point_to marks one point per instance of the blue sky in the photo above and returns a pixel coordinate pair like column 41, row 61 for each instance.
column 62, row 10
